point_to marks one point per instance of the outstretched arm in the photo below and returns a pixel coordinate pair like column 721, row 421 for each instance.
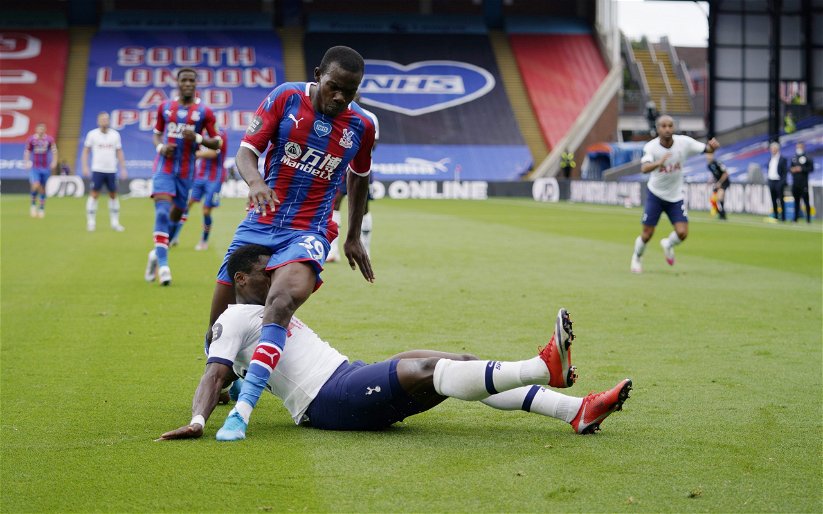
column 205, row 400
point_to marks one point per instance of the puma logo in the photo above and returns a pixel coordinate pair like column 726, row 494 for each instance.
column 369, row 390
column 265, row 357
column 295, row 120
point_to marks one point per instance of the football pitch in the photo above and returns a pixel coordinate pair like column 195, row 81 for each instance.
column 725, row 351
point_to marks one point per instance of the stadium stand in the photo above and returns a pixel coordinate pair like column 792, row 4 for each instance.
column 437, row 91
column 561, row 68
column 34, row 68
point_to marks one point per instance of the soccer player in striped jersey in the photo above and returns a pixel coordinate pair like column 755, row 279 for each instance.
column 178, row 134
column 663, row 159
column 208, row 181
column 40, row 156
column 314, row 133
column 320, row 387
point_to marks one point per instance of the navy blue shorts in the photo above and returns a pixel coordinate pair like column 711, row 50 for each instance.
column 655, row 206
column 98, row 179
column 360, row 396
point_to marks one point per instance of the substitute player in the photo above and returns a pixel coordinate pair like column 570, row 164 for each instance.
column 663, row 158
column 40, row 156
column 366, row 225
column 208, row 181
column 106, row 153
column 177, row 136
column 314, row 132
column 321, row 388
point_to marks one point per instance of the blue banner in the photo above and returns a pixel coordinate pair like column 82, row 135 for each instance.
column 449, row 162
column 130, row 73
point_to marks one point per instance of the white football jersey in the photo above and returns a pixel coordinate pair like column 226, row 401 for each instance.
column 103, row 149
column 306, row 364
column 666, row 182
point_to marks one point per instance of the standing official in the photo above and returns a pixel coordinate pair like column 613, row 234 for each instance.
column 802, row 166
column 777, row 171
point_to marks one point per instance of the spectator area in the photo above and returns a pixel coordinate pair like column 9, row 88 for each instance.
column 561, row 69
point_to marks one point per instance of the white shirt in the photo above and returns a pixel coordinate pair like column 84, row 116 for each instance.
column 104, row 146
column 666, row 182
column 773, row 162
column 306, row 364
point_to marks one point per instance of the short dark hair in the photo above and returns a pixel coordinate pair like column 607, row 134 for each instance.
column 184, row 70
column 347, row 58
column 244, row 258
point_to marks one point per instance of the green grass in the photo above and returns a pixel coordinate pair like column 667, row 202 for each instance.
column 724, row 348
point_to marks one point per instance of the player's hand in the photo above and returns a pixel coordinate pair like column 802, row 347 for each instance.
column 27, row 165
column 86, row 172
column 189, row 135
column 358, row 256
column 185, row 432
column 124, row 174
column 665, row 158
column 169, row 149
column 261, row 197
column 713, row 144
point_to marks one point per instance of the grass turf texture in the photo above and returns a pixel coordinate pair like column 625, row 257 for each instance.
column 724, row 349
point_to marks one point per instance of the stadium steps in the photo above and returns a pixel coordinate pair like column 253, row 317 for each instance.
column 71, row 111
column 518, row 97
column 293, row 56
column 678, row 102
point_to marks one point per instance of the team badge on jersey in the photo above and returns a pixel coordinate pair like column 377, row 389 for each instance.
column 346, row 141
column 321, row 128
column 293, row 150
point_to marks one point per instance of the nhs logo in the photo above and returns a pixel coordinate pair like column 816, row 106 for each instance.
column 422, row 87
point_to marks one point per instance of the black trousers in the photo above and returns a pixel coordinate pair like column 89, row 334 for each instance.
column 801, row 191
column 776, row 190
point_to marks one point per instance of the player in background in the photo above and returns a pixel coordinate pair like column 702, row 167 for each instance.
column 315, row 133
column 663, row 158
column 106, row 153
column 318, row 385
column 208, row 181
column 177, row 137
column 720, row 175
column 366, row 225
column 40, row 156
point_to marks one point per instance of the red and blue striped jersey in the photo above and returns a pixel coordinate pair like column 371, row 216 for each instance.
column 213, row 169
column 172, row 119
column 40, row 149
column 308, row 154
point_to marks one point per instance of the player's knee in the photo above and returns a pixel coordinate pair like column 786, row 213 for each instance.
column 682, row 234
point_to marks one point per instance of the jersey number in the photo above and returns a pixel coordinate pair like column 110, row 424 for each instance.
column 313, row 247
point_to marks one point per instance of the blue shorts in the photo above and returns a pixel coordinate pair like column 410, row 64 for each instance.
column 287, row 246
column 208, row 190
column 362, row 397
column 99, row 178
column 655, row 206
column 39, row 176
column 170, row 184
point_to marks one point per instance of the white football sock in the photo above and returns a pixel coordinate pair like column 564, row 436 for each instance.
column 538, row 400
column 639, row 246
column 475, row 380
column 114, row 211
column 244, row 409
column 673, row 239
column 365, row 232
column 91, row 209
